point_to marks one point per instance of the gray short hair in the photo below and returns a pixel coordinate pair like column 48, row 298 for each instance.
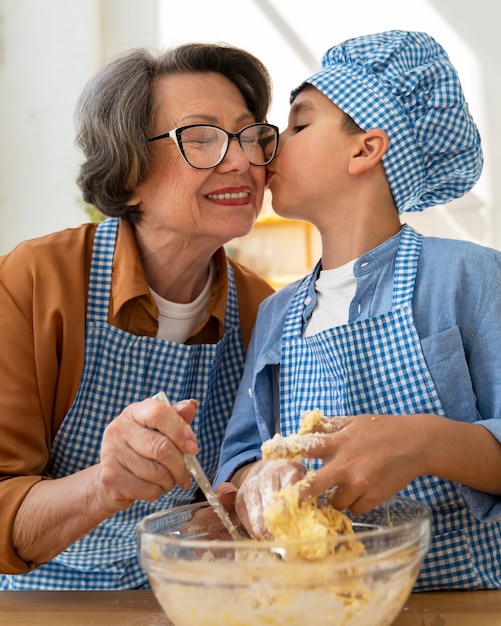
column 114, row 114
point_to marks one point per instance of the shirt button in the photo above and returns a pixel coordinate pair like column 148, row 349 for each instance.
column 307, row 300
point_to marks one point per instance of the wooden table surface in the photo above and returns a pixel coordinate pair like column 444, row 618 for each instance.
column 140, row 608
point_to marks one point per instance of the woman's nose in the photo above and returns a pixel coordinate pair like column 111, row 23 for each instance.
column 235, row 157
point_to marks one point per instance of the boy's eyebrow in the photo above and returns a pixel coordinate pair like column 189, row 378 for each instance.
column 297, row 107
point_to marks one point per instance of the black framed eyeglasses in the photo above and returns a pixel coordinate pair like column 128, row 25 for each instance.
column 204, row 146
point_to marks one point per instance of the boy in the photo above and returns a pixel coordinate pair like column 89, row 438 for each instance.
column 399, row 333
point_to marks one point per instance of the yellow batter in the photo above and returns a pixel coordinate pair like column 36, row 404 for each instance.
column 286, row 518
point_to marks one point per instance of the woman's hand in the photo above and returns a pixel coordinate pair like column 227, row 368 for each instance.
column 262, row 481
column 141, row 458
column 142, row 453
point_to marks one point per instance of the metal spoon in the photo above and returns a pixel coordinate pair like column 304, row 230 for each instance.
column 202, row 481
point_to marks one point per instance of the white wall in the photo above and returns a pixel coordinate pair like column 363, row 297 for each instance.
column 49, row 48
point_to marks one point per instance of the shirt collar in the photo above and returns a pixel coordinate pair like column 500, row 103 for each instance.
column 128, row 279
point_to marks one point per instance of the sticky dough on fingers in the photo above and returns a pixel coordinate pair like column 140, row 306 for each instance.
column 313, row 425
column 285, row 516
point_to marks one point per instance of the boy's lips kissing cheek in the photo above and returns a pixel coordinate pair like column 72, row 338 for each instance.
column 230, row 196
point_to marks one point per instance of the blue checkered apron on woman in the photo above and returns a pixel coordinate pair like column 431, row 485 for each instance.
column 120, row 368
column 377, row 366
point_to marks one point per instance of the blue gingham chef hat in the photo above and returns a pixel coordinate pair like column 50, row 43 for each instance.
column 404, row 83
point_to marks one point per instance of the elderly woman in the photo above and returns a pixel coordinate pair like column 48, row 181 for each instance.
column 96, row 320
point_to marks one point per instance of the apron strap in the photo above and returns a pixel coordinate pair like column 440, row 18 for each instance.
column 406, row 264
column 101, row 267
column 231, row 317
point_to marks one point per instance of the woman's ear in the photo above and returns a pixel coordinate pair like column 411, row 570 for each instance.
column 371, row 147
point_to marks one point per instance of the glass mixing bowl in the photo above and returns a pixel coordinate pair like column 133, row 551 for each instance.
column 201, row 577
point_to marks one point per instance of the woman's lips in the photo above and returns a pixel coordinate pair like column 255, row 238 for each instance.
column 239, row 196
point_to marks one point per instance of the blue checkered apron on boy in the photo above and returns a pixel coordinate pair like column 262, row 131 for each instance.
column 377, row 366
column 120, row 368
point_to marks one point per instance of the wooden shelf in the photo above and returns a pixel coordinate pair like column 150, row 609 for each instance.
column 279, row 249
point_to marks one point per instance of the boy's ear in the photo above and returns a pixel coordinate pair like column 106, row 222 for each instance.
column 134, row 200
column 371, row 147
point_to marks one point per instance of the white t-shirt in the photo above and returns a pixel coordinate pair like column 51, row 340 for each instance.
column 335, row 290
column 177, row 321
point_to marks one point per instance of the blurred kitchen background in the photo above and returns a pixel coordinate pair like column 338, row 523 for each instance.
column 50, row 48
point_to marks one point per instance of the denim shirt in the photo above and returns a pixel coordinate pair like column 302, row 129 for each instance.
column 457, row 314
